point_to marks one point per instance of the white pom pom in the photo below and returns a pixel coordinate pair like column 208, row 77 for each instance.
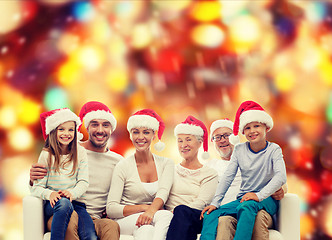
column 159, row 146
column 205, row 155
column 234, row 139
column 79, row 136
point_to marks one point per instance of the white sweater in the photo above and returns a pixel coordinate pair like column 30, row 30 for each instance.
column 101, row 166
column 127, row 189
column 193, row 188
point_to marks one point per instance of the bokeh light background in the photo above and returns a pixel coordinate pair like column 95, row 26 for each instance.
column 177, row 57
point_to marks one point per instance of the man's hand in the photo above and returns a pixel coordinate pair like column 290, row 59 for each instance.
column 37, row 171
column 54, row 197
column 249, row 196
column 279, row 194
column 207, row 209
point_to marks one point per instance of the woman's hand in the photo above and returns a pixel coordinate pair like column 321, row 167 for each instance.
column 54, row 197
column 65, row 193
column 207, row 209
column 145, row 218
column 249, row 196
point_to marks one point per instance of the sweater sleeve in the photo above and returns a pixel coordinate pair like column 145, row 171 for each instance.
column 226, row 180
column 82, row 179
column 113, row 207
column 165, row 180
column 279, row 178
column 39, row 188
column 207, row 190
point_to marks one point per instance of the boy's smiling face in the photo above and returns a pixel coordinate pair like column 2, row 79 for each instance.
column 255, row 132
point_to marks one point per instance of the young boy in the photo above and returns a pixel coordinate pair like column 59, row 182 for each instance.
column 262, row 169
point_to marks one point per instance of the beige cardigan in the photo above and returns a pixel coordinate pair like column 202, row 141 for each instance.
column 126, row 187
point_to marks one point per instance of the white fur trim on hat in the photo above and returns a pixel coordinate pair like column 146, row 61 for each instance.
column 255, row 116
column 137, row 121
column 219, row 124
column 59, row 117
column 188, row 129
column 100, row 114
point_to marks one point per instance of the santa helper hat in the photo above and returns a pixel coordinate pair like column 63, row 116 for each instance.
column 52, row 119
column 249, row 111
column 151, row 120
column 96, row 110
column 196, row 127
column 219, row 124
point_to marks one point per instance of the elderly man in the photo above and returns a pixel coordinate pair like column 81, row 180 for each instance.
column 220, row 131
column 100, row 123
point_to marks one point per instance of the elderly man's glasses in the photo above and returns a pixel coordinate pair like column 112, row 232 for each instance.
column 219, row 137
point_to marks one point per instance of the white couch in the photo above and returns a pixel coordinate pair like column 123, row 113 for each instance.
column 289, row 220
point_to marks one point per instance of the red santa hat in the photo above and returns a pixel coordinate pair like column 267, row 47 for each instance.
column 219, row 124
column 151, row 120
column 196, row 127
column 52, row 119
column 96, row 110
column 250, row 111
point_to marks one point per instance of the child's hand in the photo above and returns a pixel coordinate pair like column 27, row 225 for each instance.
column 249, row 196
column 279, row 194
column 54, row 197
column 65, row 193
column 207, row 209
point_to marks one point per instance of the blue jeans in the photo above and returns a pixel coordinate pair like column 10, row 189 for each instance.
column 245, row 213
column 61, row 216
column 185, row 224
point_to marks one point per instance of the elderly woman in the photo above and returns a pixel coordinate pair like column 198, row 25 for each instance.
column 194, row 184
column 141, row 183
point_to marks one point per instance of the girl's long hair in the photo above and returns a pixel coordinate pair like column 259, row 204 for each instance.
column 53, row 147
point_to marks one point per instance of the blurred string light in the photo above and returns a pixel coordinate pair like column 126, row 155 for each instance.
column 117, row 79
column 167, row 11
column 69, row 73
column 141, row 36
column 90, row 57
column 68, row 43
column 55, row 98
column 244, row 33
column 316, row 11
column 329, row 109
column 208, row 35
column 29, row 111
column 83, row 11
column 326, row 219
column 8, row 117
column 10, row 16
column 307, row 226
column 55, row 3
column 21, row 138
column 206, row 11
column 284, row 80
column 232, row 9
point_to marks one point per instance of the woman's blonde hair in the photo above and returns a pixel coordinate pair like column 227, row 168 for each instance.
column 53, row 147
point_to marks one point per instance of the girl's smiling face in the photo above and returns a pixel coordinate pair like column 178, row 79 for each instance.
column 65, row 133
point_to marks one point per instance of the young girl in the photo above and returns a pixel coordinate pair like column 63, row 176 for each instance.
column 67, row 174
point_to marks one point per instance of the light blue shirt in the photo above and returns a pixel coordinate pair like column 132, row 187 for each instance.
column 262, row 172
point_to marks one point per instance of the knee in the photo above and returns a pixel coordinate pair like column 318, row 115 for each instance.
column 164, row 214
column 263, row 220
column 181, row 209
column 227, row 222
column 63, row 204
column 247, row 206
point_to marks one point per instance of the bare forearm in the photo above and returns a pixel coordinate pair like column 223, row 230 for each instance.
column 132, row 209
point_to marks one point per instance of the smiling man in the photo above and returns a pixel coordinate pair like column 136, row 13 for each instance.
column 100, row 124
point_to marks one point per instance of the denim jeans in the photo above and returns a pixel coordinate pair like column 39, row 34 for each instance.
column 61, row 215
column 245, row 213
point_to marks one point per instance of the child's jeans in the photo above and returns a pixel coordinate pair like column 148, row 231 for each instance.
column 245, row 213
column 61, row 215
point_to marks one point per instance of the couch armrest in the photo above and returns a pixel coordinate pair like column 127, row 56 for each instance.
column 289, row 217
column 33, row 218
